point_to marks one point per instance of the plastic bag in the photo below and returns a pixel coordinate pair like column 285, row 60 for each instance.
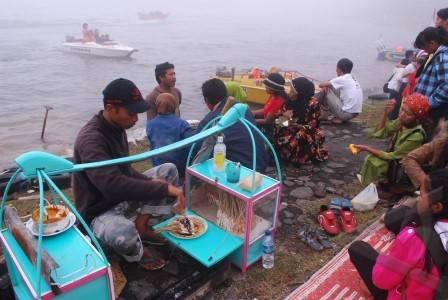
column 366, row 199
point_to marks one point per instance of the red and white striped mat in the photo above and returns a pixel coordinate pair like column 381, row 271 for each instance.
column 338, row 279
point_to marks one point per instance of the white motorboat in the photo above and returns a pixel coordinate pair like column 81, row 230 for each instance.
column 152, row 16
column 105, row 49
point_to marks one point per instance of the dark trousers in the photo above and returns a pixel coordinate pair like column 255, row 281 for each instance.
column 398, row 218
column 363, row 257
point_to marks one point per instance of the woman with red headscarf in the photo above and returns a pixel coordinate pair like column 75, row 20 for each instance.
column 406, row 134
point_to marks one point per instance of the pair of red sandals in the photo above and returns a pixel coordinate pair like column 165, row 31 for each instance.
column 328, row 220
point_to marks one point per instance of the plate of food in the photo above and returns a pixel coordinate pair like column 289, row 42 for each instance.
column 186, row 227
column 56, row 219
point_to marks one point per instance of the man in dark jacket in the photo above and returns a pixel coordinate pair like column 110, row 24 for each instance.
column 236, row 137
column 117, row 201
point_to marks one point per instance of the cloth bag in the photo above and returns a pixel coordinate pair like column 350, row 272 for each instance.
column 366, row 199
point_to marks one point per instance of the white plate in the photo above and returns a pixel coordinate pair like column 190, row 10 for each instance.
column 34, row 230
column 189, row 237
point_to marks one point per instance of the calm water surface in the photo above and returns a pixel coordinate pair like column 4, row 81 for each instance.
column 309, row 36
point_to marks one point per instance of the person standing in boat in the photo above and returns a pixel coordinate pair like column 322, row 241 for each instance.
column 166, row 78
column 87, row 34
column 118, row 201
column 342, row 95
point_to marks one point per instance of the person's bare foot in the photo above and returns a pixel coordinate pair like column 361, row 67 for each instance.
column 150, row 260
column 148, row 236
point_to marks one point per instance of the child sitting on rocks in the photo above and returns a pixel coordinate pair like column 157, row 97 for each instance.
column 343, row 94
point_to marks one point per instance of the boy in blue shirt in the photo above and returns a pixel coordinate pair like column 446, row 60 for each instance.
column 166, row 128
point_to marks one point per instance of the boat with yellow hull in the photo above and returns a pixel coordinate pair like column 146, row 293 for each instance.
column 255, row 94
column 254, row 88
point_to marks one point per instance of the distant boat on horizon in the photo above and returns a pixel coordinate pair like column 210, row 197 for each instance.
column 153, row 16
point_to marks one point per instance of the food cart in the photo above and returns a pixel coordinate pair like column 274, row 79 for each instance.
column 70, row 264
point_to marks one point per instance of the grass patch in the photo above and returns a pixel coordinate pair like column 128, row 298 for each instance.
column 140, row 147
column 295, row 262
column 371, row 113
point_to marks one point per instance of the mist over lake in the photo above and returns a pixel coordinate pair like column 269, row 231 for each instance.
column 197, row 36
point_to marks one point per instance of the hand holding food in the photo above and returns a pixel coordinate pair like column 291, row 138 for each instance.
column 179, row 206
column 352, row 148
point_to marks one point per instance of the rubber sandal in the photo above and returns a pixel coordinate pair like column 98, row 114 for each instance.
column 337, row 204
column 348, row 220
column 308, row 237
column 323, row 239
column 152, row 263
column 327, row 220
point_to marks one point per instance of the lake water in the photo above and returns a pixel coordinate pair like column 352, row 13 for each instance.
column 198, row 36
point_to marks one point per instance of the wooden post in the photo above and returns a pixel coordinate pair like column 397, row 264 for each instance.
column 47, row 108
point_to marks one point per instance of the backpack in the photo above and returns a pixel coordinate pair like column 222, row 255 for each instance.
column 439, row 257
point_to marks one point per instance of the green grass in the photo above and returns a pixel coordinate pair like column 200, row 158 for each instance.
column 294, row 261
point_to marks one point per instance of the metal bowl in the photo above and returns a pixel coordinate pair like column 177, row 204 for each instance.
column 53, row 225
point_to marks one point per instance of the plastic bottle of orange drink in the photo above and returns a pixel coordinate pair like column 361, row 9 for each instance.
column 219, row 155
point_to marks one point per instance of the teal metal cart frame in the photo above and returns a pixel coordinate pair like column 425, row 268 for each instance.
column 42, row 165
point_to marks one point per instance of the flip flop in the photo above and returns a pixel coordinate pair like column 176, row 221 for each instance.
column 310, row 238
column 152, row 263
column 323, row 239
column 336, row 204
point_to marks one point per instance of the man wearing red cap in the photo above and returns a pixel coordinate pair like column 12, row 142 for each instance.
column 117, row 201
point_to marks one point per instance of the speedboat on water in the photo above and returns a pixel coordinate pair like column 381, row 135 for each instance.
column 105, row 49
column 152, row 16
column 391, row 54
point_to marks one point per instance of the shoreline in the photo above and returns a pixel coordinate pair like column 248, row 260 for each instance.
column 299, row 208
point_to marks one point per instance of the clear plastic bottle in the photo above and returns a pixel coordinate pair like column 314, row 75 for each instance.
column 268, row 250
column 219, row 155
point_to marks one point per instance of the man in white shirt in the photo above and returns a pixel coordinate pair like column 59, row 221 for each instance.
column 343, row 93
